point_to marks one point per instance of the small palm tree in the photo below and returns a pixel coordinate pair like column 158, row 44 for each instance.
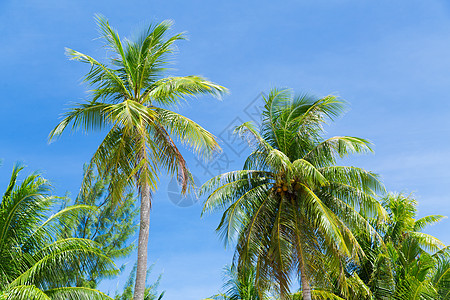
column 34, row 263
column 291, row 208
column 151, row 289
column 402, row 223
column 419, row 274
column 406, row 263
column 130, row 97
column 240, row 285
column 420, row 263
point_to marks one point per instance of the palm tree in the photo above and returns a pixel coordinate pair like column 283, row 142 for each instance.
column 151, row 289
column 405, row 264
column 130, row 97
column 402, row 223
column 34, row 263
column 412, row 265
column 240, row 285
column 291, row 208
column 419, row 274
column 422, row 262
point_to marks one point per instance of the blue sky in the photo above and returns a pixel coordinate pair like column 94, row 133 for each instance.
column 389, row 59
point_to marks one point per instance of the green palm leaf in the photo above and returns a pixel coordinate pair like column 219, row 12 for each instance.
column 34, row 260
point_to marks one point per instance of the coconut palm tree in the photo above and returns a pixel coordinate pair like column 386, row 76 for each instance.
column 151, row 289
column 405, row 264
column 130, row 97
column 413, row 265
column 421, row 261
column 402, row 223
column 291, row 208
column 419, row 274
column 34, row 264
column 240, row 285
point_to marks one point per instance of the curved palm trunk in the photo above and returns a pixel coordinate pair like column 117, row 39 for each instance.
column 306, row 288
column 144, row 228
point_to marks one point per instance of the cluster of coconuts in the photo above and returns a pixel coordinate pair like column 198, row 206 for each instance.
column 282, row 187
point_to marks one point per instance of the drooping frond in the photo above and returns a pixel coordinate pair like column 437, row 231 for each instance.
column 107, row 83
column 340, row 146
column 306, row 170
column 25, row 292
column 427, row 241
column 170, row 90
column 188, row 132
column 226, row 187
column 130, row 115
column 426, row 221
column 366, row 181
column 76, row 293
column 249, row 132
column 115, row 157
column 165, row 154
column 53, row 264
column 56, row 223
column 33, row 257
column 87, row 116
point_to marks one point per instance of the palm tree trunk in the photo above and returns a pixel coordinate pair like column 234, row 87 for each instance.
column 144, row 228
column 306, row 288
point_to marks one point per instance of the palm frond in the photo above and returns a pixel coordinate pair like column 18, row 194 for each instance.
column 171, row 89
column 427, row 241
column 106, row 82
column 426, row 221
column 76, row 293
column 188, row 132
